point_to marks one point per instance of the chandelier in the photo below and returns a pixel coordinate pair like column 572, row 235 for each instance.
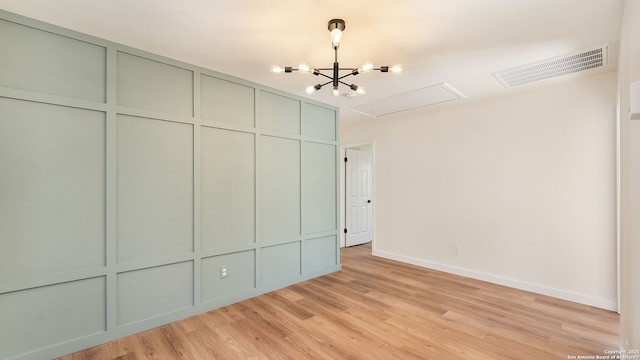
column 336, row 27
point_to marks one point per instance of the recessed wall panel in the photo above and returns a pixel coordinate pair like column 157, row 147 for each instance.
column 241, row 276
column 151, row 292
column 52, row 186
column 280, row 113
column 320, row 253
column 228, row 188
column 280, row 189
column 227, row 101
column 154, row 86
column 49, row 315
column 44, row 62
column 154, row 188
column 319, row 122
column 280, row 262
column 320, row 187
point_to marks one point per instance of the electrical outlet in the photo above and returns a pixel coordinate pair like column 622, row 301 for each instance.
column 456, row 249
column 224, row 272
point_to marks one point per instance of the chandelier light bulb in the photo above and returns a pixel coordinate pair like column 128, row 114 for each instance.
column 336, row 27
column 336, row 92
column 305, row 68
column 336, row 37
column 358, row 89
column 312, row 88
column 397, row 69
column 366, row 67
column 277, row 69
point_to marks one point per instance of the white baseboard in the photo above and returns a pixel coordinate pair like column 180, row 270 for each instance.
column 516, row 284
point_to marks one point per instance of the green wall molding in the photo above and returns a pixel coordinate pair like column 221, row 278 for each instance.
column 128, row 179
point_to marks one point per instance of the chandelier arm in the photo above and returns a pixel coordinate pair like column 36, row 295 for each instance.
column 344, row 76
column 341, row 69
column 325, row 75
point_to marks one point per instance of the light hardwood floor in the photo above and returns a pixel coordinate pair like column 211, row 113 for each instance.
column 379, row 309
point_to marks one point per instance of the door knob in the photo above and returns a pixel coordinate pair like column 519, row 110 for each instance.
column 368, row 201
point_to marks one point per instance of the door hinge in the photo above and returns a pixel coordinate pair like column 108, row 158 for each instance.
column 345, row 231
column 345, row 159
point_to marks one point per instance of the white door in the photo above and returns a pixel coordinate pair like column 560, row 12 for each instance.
column 358, row 195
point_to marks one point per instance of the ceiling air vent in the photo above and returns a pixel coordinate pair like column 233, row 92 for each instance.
column 585, row 60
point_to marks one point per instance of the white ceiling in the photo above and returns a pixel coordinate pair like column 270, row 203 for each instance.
column 457, row 42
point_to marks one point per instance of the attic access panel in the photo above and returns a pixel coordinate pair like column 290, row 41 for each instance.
column 427, row 96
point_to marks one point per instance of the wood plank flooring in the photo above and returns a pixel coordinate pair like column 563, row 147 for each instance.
column 379, row 309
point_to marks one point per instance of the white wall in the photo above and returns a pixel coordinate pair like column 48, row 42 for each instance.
column 629, row 71
column 524, row 183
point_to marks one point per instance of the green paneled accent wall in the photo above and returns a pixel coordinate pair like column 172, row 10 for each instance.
column 129, row 180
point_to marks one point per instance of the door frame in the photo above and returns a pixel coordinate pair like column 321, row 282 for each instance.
column 367, row 146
